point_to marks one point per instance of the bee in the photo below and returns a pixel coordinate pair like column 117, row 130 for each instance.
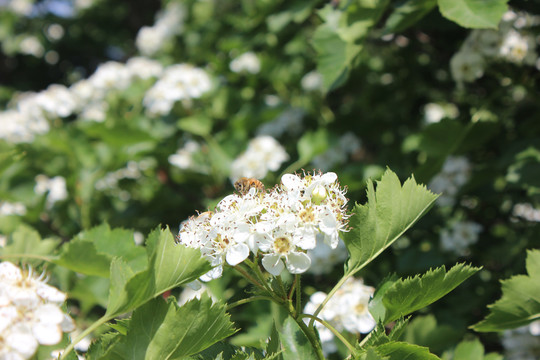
column 243, row 185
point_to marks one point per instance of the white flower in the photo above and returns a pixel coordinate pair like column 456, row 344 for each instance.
column 263, row 154
column 527, row 212
column 29, row 313
column 324, row 258
column 516, row 47
column 7, row 208
column 454, row 174
column 30, row 45
column 312, row 81
column 467, row 66
column 460, row 236
column 280, row 225
column 144, row 68
column 247, row 62
column 111, row 75
column 55, row 187
column 346, row 310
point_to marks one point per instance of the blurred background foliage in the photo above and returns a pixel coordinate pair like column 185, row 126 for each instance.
column 384, row 79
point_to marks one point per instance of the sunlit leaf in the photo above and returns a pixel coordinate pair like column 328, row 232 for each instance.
column 478, row 14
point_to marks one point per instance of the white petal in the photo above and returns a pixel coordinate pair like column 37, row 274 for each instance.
column 241, row 233
column 22, row 340
column 236, row 254
column 298, row 262
column 291, row 181
column 50, row 293
column 328, row 178
column 49, row 314
column 7, row 316
column 307, row 237
column 273, row 264
column 47, row 334
column 213, row 274
column 67, row 324
column 10, row 272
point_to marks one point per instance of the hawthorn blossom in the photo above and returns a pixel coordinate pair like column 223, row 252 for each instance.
column 30, row 313
column 247, row 62
column 280, row 225
column 454, row 174
column 346, row 310
column 460, row 236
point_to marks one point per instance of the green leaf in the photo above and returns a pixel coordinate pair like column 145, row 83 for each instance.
column 370, row 354
column 295, row 343
column 26, row 243
column 520, row 301
column 411, row 294
column 169, row 265
column 163, row 330
column 407, row 14
column 273, row 346
column 389, row 212
column 469, row 350
column 90, row 291
column 400, row 350
column 424, row 331
column 197, row 125
column 92, row 251
column 476, row 14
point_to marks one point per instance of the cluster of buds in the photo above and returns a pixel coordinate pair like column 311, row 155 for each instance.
column 280, row 225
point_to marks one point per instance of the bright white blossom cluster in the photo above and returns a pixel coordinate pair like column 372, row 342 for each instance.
column 181, row 82
column 454, row 174
column 31, row 113
column 312, row 81
column 348, row 145
column 527, row 212
column 191, row 156
column 55, row 188
column 8, row 208
column 30, row 313
column 280, row 225
column 169, row 22
column 509, row 43
column 346, row 310
column 263, row 154
column 522, row 343
column 246, row 63
column 459, row 236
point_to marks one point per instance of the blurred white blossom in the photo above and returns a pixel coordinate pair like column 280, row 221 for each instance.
column 453, row 175
column 169, row 22
column 459, row 236
column 30, row 313
column 338, row 154
column 288, row 122
column 16, row 208
column 324, row 258
column 346, row 310
column 312, row 81
column 263, row 154
column 30, row 45
column 522, row 343
column 247, row 62
column 527, row 212
column 55, row 188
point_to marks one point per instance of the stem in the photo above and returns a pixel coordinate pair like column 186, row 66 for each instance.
column 298, row 294
column 293, row 287
column 82, row 335
column 311, row 337
column 248, row 300
column 281, row 286
column 336, row 333
column 330, row 294
column 249, row 277
column 257, row 271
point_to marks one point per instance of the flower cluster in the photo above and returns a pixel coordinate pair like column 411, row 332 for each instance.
column 87, row 98
column 169, row 22
column 280, row 225
column 509, row 43
column 30, row 313
column 246, row 63
column 459, row 236
column 346, row 310
column 527, row 212
column 8, row 208
column 454, row 174
column 263, row 153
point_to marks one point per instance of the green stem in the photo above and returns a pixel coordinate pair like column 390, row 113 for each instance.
column 251, row 299
column 82, row 335
column 298, row 294
column 310, row 334
column 257, row 271
column 330, row 294
column 336, row 333
column 293, row 287
column 245, row 274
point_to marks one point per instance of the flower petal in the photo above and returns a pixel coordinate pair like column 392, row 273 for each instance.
column 236, row 254
column 273, row 264
column 298, row 262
